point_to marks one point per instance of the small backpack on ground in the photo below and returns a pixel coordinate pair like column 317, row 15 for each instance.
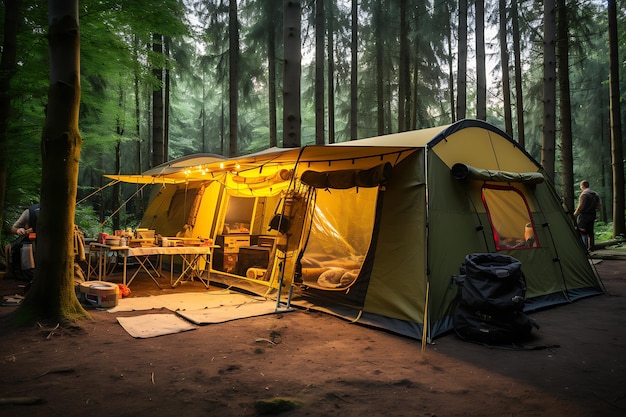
column 490, row 306
column 504, row 328
column 19, row 256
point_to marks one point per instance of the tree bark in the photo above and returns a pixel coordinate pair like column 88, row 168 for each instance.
column 233, row 70
column 565, row 108
column 158, row 149
column 52, row 297
column 519, row 103
column 617, row 151
column 330, row 48
column 271, row 65
column 319, row 72
column 354, row 72
column 138, row 162
column 461, row 102
column 380, row 90
column 450, row 59
column 403, row 65
column 481, row 75
column 506, row 82
column 292, row 119
column 166, row 101
column 549, row 89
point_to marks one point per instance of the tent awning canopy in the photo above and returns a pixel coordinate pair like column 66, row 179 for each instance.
column 146, row 179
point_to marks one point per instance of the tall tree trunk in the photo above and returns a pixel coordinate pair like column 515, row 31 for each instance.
column 402, row 69
column 222, row 125
column 331, row 71
column 139, row 166
column 233, row 71
column 415, row 115
column 158, row 149
column 319, row 72
column 565, row 110
column 203, row 117
column 549, row 89
column 617, row 152
column 506, row 82
column 292, row 119
column 166, row 102
column 354, row 70
column 8, row 65
column 481, row 75
column 412, row 109
column 461, row 102
column 52, row 297
column 519, row 103
column 450, row 59
column 271, row 65
column 117, row 188
column 380, row 75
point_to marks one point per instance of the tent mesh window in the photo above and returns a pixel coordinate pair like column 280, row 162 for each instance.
column 510, row 218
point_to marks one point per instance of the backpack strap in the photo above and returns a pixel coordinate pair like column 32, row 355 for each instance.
column 33, row 214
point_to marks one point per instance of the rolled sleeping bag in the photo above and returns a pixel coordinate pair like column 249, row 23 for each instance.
column 255, row 273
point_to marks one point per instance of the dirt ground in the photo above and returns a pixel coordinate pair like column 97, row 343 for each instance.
column 319, row 364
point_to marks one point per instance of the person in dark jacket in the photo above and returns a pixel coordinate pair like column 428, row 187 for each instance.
column 588, row 204
column 25, row 225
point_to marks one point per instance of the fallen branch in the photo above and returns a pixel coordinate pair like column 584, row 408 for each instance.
column 21, row 400
column 261, row 339
column 52, row 331
column 56, row 371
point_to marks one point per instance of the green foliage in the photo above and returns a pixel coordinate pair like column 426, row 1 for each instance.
column 603, row 232
column 87, row 221
column 117, row 85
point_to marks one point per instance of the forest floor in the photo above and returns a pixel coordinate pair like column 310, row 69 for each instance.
column 313, row 364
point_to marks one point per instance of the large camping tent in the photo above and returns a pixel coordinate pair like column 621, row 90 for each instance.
column 374, row 229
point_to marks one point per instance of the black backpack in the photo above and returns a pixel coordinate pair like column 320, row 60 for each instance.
column 490, row 305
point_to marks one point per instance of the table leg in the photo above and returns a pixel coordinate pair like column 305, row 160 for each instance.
column 91, row 269
column 101, row 265
column 188, row 267
column 144, row 262
column 125, row 264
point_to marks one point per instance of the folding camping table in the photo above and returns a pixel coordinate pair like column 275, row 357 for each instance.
column 190, row 255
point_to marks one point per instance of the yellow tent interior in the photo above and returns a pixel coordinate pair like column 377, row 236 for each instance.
column 373, row 229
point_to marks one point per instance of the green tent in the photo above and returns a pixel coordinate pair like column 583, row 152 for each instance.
column 374, row 229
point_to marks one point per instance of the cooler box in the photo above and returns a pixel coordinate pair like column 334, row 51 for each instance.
column 99, row 293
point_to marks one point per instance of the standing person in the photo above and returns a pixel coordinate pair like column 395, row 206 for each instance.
column 26, row 224
column 588, row 203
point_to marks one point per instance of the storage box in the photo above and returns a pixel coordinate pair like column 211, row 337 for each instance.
column 232, row 243
column 266, row 241
column 145, row 233
column 252, row 256
column 99, row 293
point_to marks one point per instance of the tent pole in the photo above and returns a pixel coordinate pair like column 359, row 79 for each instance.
column 424, row 327
column 281, row 265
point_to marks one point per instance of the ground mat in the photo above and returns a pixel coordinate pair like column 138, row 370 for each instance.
column 152, row 325
column 183, row 301
column 222, row 314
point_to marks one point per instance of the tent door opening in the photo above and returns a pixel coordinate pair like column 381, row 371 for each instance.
column 340, row 236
